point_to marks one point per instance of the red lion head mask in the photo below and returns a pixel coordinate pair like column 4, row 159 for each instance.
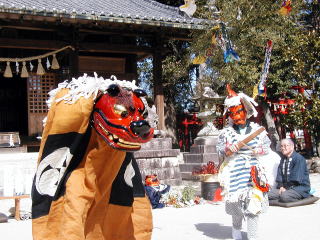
column 119, row 116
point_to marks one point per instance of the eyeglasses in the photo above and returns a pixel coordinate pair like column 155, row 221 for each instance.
column 285, row 146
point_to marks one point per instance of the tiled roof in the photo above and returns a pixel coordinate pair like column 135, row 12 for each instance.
column 147, row 12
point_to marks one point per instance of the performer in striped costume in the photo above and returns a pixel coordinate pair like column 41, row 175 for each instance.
column 243, row 199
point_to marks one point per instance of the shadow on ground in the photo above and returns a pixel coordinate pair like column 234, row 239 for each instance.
column 217, row 231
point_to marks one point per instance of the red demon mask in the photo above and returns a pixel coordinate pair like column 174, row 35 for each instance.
column 236, row 110
column 119, row 118
column 238, row 114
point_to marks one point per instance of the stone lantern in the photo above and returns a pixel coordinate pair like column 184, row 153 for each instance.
column 204, row 148
column 209, row 110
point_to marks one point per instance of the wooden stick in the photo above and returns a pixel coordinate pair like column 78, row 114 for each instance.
column 246, row 140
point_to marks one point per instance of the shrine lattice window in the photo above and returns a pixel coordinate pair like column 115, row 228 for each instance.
column 38, row 92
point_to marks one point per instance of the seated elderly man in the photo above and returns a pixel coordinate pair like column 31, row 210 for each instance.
column 292, row 182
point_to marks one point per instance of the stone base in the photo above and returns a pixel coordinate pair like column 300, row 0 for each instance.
column 158, row 157
column 203, row 151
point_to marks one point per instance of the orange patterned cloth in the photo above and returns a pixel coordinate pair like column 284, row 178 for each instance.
column 79, row 191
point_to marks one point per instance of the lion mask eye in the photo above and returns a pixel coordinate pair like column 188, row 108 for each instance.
column 120, row 110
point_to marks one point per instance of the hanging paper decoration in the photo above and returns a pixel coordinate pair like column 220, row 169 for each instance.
column 189, row 7
column 282, row 106
column 17, row 67
column 24, row 71
column 265, row 70
column 255, row 91
column 199, row 60
column 8, row 72
column 221, row 41
column 285, row 8
column 31, row 66
column 40, row 69
column 229, row 54
column 48, row 63
column 214, row 40
column 209, row 52
column 55, row 64
column 239, row 14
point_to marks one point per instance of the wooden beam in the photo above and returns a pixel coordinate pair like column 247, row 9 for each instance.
column 31, row 44
column 113, row 48
column 83, row 47
column 42, row 29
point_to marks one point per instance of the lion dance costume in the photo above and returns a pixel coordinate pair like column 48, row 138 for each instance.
column 87, row 184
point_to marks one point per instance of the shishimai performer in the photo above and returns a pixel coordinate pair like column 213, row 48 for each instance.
column 87, row 185
column 240, row 145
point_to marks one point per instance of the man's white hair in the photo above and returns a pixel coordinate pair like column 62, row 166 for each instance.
column 288, row 141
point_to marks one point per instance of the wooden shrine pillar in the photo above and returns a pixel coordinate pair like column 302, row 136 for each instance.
column 74, row 55
column 158, row 86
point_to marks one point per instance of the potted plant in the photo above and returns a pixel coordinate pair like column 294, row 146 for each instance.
column 209, row 180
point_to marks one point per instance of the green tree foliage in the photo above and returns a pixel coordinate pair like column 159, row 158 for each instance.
column 306, row 62
column 177, row 75
column 295, row 55
column 250, row 24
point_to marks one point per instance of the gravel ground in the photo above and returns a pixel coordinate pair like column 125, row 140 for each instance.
column 208, row 221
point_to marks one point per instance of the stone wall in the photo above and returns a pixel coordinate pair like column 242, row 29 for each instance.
column 158, row 157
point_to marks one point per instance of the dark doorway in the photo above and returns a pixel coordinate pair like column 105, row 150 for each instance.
column 13, row 105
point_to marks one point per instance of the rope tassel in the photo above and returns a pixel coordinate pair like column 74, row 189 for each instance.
column 40, row 70
column 55, row 64
column 8, row 72
column 24, row 71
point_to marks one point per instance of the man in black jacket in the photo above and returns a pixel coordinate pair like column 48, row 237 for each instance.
column 292, row 182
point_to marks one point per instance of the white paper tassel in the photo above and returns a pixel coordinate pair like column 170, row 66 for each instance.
column 239, row 14
column 40, row 70
column 48, row 64
column 8, row 72
column 55, row 64
column 17, row 67
column 31, row 66
column 24, row 71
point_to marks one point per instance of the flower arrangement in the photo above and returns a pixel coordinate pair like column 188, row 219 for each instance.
column 207, row 172
column 180, row 198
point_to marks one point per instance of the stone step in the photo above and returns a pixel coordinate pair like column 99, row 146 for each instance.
column 188, row 176
column 172, row 182
column 157, row 153
column 157, row 144
column 200, row 158
column 145, row 163
column 21, row 149
column 206, row 140
column 162, row 173
column 203, row 149
column 189, row 167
